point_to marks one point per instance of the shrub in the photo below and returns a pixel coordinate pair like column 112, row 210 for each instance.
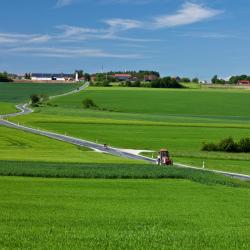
column 136, row 84
column 228, row 145
column 210, row 147
column 35, row 99
column 104, row 83
column 244, row 145
column 4, row 77
column 166, row 82
column 88, row 103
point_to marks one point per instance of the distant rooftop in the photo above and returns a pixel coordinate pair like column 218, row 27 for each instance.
column 50, row 75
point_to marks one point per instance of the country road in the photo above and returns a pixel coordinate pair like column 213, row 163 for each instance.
column 24, row 110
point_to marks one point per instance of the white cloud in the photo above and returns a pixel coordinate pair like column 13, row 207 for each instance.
column 63, row 3
column 188, row 14
column 118, row 24
column 72, row 33
column 69, row 52
column 15, row 38
column 74, row 30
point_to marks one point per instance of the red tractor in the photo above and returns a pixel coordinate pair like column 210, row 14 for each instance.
column 164, row 158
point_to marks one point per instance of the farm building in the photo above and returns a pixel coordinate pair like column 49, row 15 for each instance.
column 244, row 82
column 51, row 77
column 150, row 78
column 122, row 77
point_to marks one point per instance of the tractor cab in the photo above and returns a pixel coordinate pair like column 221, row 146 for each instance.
column 164, row 158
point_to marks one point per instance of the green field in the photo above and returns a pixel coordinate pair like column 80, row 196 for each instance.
column 122, row 214
column 20, row 146
column 15, row 93
column 56, row 195
column 7, row 108
column 154, row 118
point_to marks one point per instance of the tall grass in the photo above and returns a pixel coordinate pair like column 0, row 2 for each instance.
column 113, row 171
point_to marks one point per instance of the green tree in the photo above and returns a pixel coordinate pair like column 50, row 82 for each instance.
column 195, row 80
column 185, row 79
column 4, row 77
column 35, row 100
column 214, row 79
column 27, row 76
column 88, row 103
column 87, row 77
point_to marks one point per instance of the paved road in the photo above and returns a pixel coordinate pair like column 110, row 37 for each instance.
column 76, row 141
column 24, row 109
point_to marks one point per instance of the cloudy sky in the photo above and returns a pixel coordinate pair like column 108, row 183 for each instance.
column 188, row 38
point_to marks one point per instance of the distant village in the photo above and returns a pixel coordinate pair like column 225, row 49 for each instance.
column 145, row 76
column 117, row 76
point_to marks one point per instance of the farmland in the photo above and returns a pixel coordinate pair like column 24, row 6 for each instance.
column 122, row 214
column 20, row 146
column 56, row 195
column 150, row 119
column 14, row 93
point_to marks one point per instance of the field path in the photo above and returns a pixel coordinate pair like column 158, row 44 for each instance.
column 24, row 109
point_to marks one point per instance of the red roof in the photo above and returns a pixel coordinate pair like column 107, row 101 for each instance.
column 244, row 82
column 122, row 75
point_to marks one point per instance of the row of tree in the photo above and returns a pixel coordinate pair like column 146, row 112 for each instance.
column 187, row 80
column 139, row 75
column 166, row 82
column 232, row 79
column 4, row 77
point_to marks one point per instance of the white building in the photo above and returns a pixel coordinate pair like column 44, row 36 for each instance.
column 51, row 77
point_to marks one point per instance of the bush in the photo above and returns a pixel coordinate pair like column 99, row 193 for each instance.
column 88, row 103
column 104, row 83
column 4, row 77
column 244, row 145
column 35, row 100
column 229, row 145
column 210, row 147
column 166, row 82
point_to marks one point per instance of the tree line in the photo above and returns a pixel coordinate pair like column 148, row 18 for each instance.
column 165, row 82
column 232, row 80
column 4, row 77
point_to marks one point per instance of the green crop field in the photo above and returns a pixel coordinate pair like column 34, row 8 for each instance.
column 7, row 108
column 56, row 195
column 19, row 92
column 187, row 102
column 154, row 118
column 122, row 214
column 25, row 147
column 15, row 93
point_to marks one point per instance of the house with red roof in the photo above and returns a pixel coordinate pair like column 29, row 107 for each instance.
column 244, row 82
column 122, row 77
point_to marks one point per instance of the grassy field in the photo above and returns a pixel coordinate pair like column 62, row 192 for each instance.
column 7, row 108
column 202, row 103
column 122, row 214
column 20, row 146
column 15, row 93
column 56, row 195
column 151, row 119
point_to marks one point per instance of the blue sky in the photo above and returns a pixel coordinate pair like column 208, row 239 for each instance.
column 187, row 38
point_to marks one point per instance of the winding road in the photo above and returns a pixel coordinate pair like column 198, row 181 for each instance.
column 24, row 110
